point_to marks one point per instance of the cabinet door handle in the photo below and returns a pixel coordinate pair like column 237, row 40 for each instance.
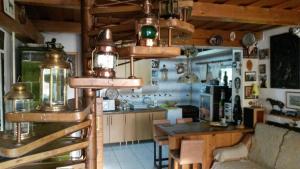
column 107, row 120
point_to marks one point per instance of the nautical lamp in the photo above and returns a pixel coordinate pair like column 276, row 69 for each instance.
column 53, row 81
column 147, row 28
column 17, row 100
column 105, row 56
column 169, row 9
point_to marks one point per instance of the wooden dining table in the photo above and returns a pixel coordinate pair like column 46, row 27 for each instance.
column 214, row 137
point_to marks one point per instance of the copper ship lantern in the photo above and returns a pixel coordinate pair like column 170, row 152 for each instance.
column 53, row 81
column 18, row 99
column 104, row 56
column 147, row 28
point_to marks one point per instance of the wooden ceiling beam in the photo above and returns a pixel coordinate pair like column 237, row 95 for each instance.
column 25, row 32
column 248, row 14
column 71, row 4
column 57, row 26
column 115, row 9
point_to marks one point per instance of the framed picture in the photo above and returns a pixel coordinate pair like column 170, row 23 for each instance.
column 263, row 81
column 1, row 91
column 9, row 8
column 250, row 76
column 237, row 56
column 293, row 100
column 262, row 68
column 155, row 64
column 264, row 53
column 248, row 92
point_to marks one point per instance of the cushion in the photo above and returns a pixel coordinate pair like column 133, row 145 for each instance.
column 266, row 144
column 289, row 155
column 239, row 164
column 236, row 152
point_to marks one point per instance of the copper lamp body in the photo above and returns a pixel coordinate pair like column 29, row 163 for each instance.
column 18, row 99
column 104, row 56
column 147, row 28
column 53, row 81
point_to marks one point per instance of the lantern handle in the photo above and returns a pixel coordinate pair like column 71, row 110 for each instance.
column 92, row 64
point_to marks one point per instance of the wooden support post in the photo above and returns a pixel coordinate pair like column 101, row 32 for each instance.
column 99, row 132
column 91, row 160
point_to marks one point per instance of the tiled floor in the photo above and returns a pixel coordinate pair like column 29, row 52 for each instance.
column 131, row 156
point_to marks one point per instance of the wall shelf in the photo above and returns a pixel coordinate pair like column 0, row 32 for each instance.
column 179, row 28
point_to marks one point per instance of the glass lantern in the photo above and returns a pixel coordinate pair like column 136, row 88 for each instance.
column 53, row 81
column 104, row 56
column 18, row 99
column 147, row 28
column 169, row 9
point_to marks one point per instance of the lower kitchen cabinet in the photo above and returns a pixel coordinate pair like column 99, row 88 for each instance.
column 113, row 128
column 129, row 129
column 143, row 126
column 130, row 126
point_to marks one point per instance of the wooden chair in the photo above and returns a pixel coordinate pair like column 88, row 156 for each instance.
column 161, row 139
column 191, row 152
column 184, row 120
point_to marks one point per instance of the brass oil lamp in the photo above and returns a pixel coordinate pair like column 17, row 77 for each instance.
column 105, row 56
column 18, row 99
column 53, row 81
column 147, row 28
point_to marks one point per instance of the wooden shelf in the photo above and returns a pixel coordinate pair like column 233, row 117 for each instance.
column 143, row 52
column 58, row 147
column 178, row 27
column 44, row 134
column 99, row 83
column 46, row 116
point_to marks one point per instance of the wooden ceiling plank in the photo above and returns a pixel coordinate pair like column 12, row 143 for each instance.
column 72, row 4
column 267, row 3
column 25, row 32
column 57, row 26
column 254, row 15
column 240, row 2
column 115, row 9
column 291, row 4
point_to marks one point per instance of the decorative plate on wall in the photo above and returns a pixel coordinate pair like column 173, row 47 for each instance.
column 249, row 65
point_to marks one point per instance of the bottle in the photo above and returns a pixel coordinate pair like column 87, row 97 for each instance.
column 221, row 105
column 225, row 78
column 237, row 110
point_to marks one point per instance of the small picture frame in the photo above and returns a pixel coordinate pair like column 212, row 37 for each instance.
column 264, row 53
column 155, row 64
column 237, row 56
column 262, row 68
column 293, row 100
column 9, row 8
column 263, row 81
column 250, row 76
column 248, row 93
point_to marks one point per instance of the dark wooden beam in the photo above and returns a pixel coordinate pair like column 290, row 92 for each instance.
column 57, row 26
column 248, row 14
column 72, row 4
column 115, row 9
column 25, row 32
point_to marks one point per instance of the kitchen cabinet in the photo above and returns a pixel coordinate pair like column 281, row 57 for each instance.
column 129, row 128
column 113, row 128
column 158, row 115
column 143, row 126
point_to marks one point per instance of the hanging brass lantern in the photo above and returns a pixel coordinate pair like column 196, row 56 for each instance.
column 104, row 56
column 53, row 81
column 147, row 28
column 169, row 9
column 18, row 99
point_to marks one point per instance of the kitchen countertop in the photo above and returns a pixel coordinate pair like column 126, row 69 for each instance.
column 158, row 109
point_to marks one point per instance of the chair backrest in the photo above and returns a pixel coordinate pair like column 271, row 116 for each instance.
column 156, row 132
column 184, row 120
column 191, row 151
